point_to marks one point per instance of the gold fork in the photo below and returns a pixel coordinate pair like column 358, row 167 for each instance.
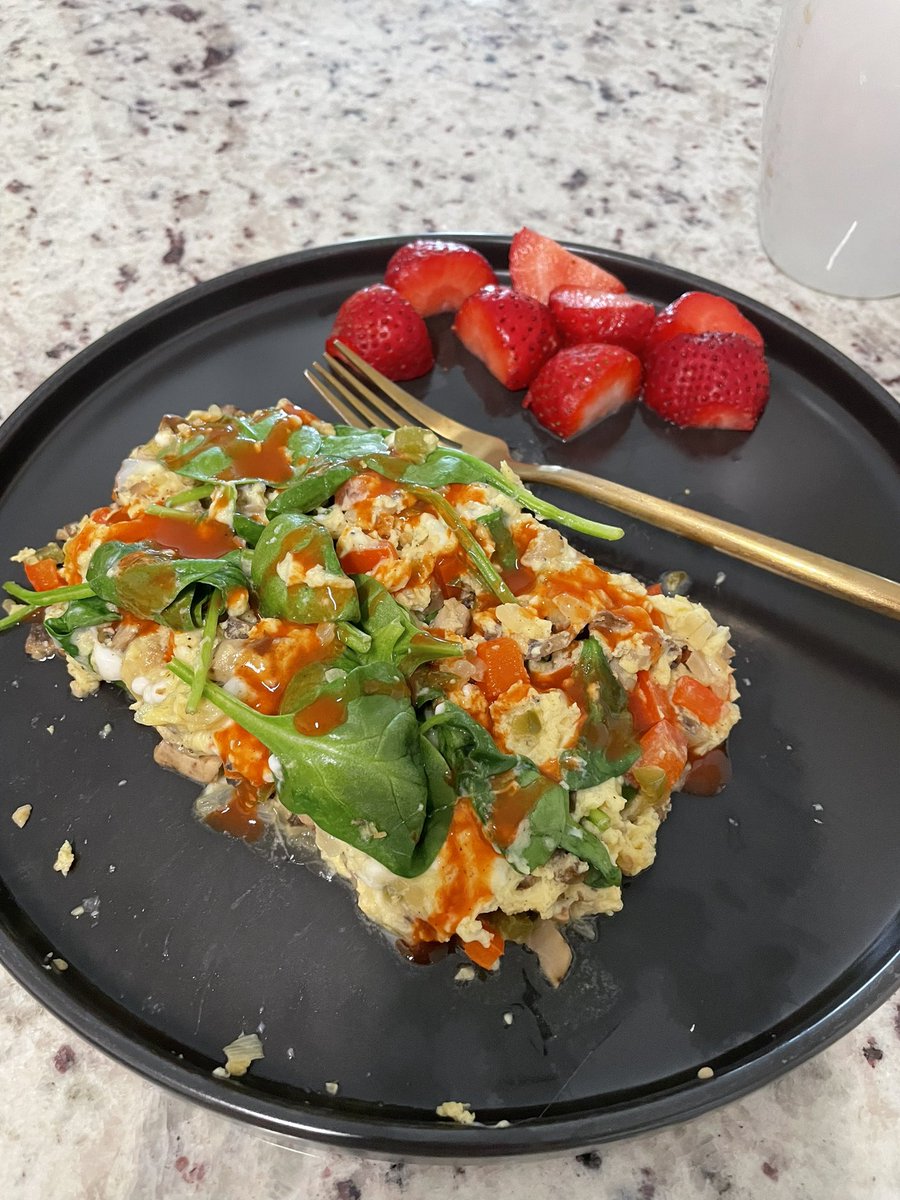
column 366, row 403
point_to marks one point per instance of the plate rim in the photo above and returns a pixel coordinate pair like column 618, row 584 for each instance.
column 382, row 1136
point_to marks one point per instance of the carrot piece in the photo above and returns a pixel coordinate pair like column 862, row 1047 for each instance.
column 486, row 956
column 504, row 666
column 361, row 561
column 43, row 575
column 699, row 699
column 648, row 703
column 664, row 746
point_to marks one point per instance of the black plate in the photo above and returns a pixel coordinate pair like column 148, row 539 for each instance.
column 766, row 929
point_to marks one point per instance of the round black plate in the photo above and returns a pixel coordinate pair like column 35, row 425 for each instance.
column 767, row 927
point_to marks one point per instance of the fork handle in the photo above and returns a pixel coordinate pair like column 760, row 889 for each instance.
column 802, row 566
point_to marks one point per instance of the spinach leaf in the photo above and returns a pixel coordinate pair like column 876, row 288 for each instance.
column 224, row 450
column 296, row 543
column 446, row 465
column 396, row 638
column 367, row 781
column 579, row 840
column 607, row 746
column 31, row 602
column 79, row 614
column 523, row 812
column 149, row 582
column 317, row 485
column 248, row 529
column 347, row 442
column 505, row 550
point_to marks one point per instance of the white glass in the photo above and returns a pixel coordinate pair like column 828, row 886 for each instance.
column 829, row 211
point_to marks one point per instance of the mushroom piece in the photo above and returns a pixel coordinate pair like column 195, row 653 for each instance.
column 553, row 951
column 201, row 770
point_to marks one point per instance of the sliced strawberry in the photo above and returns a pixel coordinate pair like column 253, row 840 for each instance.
column 537, row 265
column 615, row 318
column 581, row 385
column 513, row 335
column 385, row 330
column 708, row 381
column 700, row 312
column 437, row 276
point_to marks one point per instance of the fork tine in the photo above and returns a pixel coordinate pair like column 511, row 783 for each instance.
column 359, row 406
column 387, row 410
column 334, row 402
column 444, row 426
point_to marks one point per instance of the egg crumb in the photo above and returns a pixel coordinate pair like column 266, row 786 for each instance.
column 457, row 1111
column 465, row 975
column 65, row 858
column 21, row 814
column 705, row 1073
column 332, row 1088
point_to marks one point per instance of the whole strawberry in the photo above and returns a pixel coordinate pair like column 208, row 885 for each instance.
column 385, row 330
column 581, row 385
column 513, row 335
column 614, row 318
column 436, row 276
column 708, row 381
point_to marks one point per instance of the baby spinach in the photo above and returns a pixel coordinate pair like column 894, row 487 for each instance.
column 396, row 638
column 152, row 583
column 293, row 540
column 316, row 486
column 607, row 746
column 369, row 781
column 505, row 551
column 218, row 451
column 248, row 529
column 79, row 614
column 584, row 844
column 31, row 602
column 489, row 777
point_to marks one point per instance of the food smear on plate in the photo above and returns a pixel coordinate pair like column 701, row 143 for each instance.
column 374, row 644
column 557, row 300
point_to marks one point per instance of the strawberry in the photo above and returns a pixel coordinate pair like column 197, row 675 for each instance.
column 513, row 335
column 581, row 385
column 437, row 276
column 708, row 381
column 385, row 330
column 699, row 312
column 615, row 318
column 537, row 265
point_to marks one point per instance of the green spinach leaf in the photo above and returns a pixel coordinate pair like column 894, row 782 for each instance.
column 294, row 543
column 396, row 638
column 79, row 614
column 155, row 585
column 607, row 746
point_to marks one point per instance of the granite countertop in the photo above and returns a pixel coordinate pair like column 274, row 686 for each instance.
column 150, row 146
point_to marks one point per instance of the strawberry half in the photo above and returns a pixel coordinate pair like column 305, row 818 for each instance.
column 385, row 330
column 700, row 312
column 437, row 276
column 581, row 385
column 513, row 335
column 537, row 265
column 615, row 318
column 708, row 381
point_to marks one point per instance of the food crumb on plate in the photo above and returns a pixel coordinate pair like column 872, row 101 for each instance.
column 720, row 578
column 290, row 1051
column 21, row 814
column 105, row 731
column 65, row 858
column 705, row 1073
column 77, row 911
column 456, row 1110
column 239, row 1054
column 332, row 1087
column 507, row 1018
column 465, row 975
column 51, row 729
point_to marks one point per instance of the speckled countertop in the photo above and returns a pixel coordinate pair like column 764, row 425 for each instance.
column 150, row 146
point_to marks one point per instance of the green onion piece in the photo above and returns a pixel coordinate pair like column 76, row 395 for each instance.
column 207, row 642
column 189, row 495
column 175, row 514
column 479, row 560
